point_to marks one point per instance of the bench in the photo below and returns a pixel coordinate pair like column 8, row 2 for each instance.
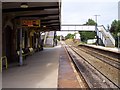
column 31, row 51
column 26, row 52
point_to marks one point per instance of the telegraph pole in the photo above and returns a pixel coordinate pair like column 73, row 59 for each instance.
column 96, row 29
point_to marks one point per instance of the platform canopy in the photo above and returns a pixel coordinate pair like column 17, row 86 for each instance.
column 48, row 11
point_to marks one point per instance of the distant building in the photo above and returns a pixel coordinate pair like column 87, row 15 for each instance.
column 77, row 37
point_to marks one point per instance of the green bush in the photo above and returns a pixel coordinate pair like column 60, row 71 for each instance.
column 85, row 35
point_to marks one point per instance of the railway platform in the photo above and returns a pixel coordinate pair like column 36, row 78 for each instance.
column 51, row 68
column 67, row 77
column 40, row 71
column 106, row 48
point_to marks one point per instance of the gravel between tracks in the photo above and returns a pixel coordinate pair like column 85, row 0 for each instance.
column 109, row 71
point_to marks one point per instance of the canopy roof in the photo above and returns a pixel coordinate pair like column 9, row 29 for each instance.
column 49, row 13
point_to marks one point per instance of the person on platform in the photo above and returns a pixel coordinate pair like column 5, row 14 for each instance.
column 42, row 44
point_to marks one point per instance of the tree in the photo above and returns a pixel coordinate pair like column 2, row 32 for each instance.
column 114, row 25
column 85, row 35
column 90, row 22
column 115, row 28
column 118, row 27
column 70, row 36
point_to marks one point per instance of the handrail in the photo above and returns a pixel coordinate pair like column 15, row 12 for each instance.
column 107, row 34
column 110, row 35
column 6, row 64
column 107, row 31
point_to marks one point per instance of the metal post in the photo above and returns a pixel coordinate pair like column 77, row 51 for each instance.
column 118, row 39
column 96, row 29
column 21, row 58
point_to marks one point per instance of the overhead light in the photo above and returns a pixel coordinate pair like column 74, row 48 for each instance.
column 24, row 5
column 44, row 26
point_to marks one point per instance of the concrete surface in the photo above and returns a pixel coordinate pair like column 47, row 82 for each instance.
column 40, row 71
column 106, row 48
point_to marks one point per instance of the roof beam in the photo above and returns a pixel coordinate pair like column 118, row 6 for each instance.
column 41, row 15
column 28, row 9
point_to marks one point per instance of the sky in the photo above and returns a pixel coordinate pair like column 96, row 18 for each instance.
column 79, row 11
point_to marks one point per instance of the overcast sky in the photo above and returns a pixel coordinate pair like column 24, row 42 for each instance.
column 79, row 11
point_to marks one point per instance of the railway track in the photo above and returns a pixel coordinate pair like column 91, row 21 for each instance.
column 107, row 59
column 109, row 54
column 93, row 76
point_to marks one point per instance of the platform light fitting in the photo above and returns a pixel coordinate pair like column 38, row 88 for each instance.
column 44, row 26
column 24, row 5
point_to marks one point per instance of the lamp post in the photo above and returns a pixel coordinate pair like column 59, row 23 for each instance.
column 96, row 29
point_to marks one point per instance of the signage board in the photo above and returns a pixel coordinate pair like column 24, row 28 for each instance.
column 30, row 23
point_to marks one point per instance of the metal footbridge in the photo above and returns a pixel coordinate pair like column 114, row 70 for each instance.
column 103, row 34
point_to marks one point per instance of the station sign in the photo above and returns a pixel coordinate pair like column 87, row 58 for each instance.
column 30, row 23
